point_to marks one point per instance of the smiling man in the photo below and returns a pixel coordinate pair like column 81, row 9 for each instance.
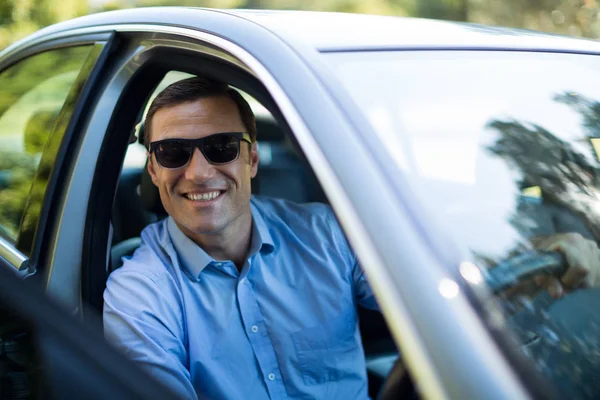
column 234, row 296
column 208, row 196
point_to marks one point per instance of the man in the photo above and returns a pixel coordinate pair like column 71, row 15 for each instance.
column 240, row 297
column 234, row 297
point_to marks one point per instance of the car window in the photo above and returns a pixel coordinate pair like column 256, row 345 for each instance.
column 32, row 94
column 503, row 149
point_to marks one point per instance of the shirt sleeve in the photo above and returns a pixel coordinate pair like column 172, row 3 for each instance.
column 362, row 290
column 144, row 323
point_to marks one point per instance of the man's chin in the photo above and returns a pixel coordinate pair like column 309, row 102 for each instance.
column 204, row 227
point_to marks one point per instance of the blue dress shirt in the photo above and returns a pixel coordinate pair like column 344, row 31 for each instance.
column 283, row 327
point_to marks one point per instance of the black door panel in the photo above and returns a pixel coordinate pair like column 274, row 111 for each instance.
column 45, row 353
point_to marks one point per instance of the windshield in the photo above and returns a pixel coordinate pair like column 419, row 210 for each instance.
column 503, row 148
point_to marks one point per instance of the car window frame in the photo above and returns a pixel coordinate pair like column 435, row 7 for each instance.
column 159, row 59
column 25, row 254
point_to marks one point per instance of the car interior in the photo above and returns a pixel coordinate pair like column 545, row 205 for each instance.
column 283, row 173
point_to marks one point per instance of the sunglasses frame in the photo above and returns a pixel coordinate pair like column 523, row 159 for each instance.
column 197, row 144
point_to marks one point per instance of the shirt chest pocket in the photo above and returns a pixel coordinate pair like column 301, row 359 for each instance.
column 328, row 351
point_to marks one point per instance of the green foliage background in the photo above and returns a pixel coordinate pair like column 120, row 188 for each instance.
column 574, row 17
column 30, row 101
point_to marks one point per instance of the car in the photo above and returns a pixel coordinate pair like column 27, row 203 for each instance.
column 446, row 151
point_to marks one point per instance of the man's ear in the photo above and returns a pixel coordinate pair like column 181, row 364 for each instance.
column 253, row 159
column 151, row 171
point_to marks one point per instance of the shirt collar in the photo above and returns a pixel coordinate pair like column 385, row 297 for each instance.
column 190, row 255
column 194, row 259
column 261, row 236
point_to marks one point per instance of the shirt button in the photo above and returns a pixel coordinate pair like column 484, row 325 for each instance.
column 254, row 328
column 218, row 264
column 271, row 377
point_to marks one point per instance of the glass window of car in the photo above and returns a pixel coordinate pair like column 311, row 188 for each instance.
column 503, row 148
column 32, row 94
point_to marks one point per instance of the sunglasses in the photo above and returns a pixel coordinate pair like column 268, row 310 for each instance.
column 220, row 148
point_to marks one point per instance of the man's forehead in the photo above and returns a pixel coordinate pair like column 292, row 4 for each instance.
column 209, row 107
column 197, row 118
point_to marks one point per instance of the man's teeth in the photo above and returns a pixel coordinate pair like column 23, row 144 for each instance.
column 203, row 196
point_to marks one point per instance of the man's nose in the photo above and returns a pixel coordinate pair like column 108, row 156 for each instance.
column 199, row 170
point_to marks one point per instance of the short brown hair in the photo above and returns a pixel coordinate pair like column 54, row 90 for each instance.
column 193, row 89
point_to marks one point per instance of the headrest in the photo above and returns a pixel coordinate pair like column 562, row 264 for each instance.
column 268, row 130
column 149, row 195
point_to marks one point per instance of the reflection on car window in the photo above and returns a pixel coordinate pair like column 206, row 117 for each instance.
column 503, row 148
column 32, row 94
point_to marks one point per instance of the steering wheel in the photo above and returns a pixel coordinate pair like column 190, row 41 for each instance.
column 525, row 265
column 562, row 336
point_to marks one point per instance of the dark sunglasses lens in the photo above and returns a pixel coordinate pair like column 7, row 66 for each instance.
column 173, row 154
column 220, row 149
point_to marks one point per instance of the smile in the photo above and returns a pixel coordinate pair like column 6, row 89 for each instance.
column 203, row 196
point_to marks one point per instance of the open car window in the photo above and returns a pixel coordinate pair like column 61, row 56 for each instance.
column 283, row 173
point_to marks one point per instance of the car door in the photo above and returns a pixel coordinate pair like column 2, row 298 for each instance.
column 45, row 353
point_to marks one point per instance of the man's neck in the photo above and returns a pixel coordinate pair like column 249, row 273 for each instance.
column 232, row 243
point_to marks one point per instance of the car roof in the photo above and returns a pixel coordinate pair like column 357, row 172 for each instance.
column 331, row 31
column 326, row 31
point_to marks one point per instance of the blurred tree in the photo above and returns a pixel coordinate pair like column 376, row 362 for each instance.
column 19, row 18
column 384, row 7
column 572, row 17
column 568, row 178
column 33, row 93
column 588, row 109
column 454, row 10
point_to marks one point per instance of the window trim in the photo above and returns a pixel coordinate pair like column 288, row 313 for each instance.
column 12, row 255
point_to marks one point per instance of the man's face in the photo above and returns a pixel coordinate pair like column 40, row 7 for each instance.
column 180, row 189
